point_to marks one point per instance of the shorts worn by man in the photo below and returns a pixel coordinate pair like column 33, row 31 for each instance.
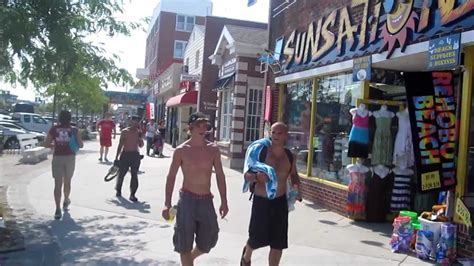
column 196, row 218
column 269, row 217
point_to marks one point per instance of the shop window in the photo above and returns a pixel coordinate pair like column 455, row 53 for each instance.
column 336, row 95
column 297, row 116
column 254, row 114
column 470, row 162
column 226, row 115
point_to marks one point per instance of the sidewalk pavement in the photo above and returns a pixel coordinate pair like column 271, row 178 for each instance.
column 100, row 229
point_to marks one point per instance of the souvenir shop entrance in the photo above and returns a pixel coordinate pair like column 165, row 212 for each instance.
column 369, row 174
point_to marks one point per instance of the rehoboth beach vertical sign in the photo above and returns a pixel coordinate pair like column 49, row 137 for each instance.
column 432, row 108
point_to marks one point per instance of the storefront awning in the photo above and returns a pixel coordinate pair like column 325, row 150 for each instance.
column 186, row 98
column 224, row 83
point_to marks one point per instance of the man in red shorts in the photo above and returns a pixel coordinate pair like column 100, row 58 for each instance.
column 105, row 127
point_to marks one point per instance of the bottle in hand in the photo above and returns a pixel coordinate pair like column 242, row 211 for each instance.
column 172, row 213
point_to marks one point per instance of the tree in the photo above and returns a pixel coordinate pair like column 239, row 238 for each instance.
column 46, row 42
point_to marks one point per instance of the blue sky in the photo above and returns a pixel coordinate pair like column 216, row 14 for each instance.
column 132, row 49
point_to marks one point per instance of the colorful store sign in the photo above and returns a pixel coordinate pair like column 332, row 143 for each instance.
column 119, row 97
column 463, row 213
column 361, row 69
column 444, row 53
column 340, row 35
column 431, row 104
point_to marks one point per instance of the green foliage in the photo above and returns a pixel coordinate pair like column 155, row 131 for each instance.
column 45, row 108
column 45, row 42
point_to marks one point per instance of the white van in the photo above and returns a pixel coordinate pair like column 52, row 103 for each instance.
column 32, row 122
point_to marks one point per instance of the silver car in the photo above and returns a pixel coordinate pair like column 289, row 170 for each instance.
column 10, row 130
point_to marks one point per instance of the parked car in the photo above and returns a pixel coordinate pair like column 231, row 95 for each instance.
column 10, row 140
column 32, row 122
column 3, row 117
column 11, row 125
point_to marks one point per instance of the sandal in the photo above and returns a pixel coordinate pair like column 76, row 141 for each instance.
column 242, row 260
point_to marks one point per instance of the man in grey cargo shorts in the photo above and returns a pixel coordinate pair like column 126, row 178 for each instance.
column 196, row 217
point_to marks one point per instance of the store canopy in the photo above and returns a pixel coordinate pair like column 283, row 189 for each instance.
column 224, row 83
column 186, row 98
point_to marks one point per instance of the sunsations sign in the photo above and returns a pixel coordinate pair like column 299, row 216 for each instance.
column 390, row 24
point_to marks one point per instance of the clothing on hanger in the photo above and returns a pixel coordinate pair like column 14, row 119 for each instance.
column 378, row 194
column 356, row 198
column 359, row 135
column 382, row 149
column 403, row 153
column 401, row 191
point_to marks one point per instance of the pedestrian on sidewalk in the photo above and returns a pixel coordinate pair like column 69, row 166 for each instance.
column 268, row 168
column 128, row 151
column 64, row 158
column 195, row 211
column 105, row 127
column 150, row 134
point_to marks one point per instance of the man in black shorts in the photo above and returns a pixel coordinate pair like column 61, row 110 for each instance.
column 269, row 218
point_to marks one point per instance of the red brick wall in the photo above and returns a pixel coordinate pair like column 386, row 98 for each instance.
column 465, row 245
column 329, row 197
column 163, row 41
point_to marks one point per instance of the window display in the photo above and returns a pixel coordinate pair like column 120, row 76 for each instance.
column 337, row 95
column 470, row 162
column 298, row 118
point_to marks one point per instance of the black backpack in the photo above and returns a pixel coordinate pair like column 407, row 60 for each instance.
column 261, row 158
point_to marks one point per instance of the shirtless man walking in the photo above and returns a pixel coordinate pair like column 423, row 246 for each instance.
column 196, row 214
column 128, row 152
column 269, row 218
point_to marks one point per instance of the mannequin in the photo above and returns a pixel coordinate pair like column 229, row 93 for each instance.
column 401, row 192
column 361, row 110
column 382, row 149
column 359, row 136
column 358, row 167
column 381, row 170
column 383, row 112
column 356, row 190
column 403, row 171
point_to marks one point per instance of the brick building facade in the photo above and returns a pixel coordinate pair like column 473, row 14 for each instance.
column 240, row 90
